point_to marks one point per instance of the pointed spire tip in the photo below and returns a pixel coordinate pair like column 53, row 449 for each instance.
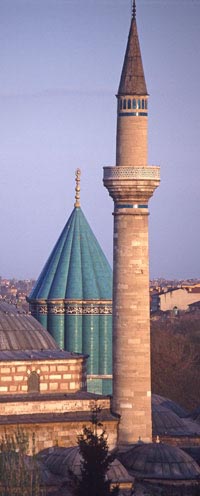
column 77, row 189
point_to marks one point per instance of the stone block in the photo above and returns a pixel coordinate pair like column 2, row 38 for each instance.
column 21, row 368
column 54, row 377
column 67, row 376
column 62, row 368
column 5, row 370
column 43, row 387
column 53, row 386
column 6, row 378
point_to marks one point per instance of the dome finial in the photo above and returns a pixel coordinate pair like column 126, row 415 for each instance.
column 77, row 189
column 134, row 10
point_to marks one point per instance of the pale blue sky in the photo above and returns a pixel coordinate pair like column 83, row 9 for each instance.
column 60, row 65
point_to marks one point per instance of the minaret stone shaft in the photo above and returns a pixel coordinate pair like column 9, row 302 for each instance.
column 131, row 184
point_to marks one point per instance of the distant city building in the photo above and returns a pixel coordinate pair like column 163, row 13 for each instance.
column 179, row 298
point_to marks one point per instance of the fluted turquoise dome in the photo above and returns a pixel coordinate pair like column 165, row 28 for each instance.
column 72, row 298
column 77, row 267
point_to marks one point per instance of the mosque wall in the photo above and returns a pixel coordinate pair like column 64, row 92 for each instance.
column 58, row 376
column 51, row 405
column 49, row 434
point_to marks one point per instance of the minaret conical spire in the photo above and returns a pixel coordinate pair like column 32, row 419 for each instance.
column 132, row 78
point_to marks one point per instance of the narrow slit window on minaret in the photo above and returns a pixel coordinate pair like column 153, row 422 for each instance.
column 124, row 104
column 134, row 104
column 139, row 104
column 143, row 104
column 129, row 104
column 146, row 104
column 120, row 104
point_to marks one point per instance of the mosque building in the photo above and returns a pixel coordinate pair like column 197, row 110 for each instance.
column 43, row 386
column 72, row 298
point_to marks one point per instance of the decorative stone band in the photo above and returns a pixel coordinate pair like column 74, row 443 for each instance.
column 131, row 206
column 133, row 114
column 149, row 172
column 64, row 308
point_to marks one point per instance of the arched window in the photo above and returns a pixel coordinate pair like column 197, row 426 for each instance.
column 139, row 104
column 129, row 104
column 143, row 104
column 134, row 104
column 33, row 383
column 124, row 104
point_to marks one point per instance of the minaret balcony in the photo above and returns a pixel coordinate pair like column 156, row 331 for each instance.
column 133, row 185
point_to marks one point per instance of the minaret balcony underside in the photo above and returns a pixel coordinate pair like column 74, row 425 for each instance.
column 131, row 186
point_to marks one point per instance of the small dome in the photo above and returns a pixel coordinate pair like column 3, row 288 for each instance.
column 118, row 473
column 167, row 423
column 161, row 462
column 61, row 461
column 195, row 415
column 169, row 404
column 19, row 331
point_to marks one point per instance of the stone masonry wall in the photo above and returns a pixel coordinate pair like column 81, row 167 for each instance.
column 54, row 376
column 131, row 327
column 49, row 406
column 131, row 141
column 57, row 433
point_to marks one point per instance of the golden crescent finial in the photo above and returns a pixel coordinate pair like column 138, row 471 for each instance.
column 77, row 189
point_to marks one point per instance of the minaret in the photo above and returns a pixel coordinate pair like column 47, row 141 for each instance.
column 131, row 184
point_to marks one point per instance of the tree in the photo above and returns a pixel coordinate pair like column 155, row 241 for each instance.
column 19, row 473
column 96, row 461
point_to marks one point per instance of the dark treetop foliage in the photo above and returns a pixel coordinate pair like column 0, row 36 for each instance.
column 96, row 461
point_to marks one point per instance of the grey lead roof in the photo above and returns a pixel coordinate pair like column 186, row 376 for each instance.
column 40, row 354
column 63, row 461
column 160, row 461
column 21, row 332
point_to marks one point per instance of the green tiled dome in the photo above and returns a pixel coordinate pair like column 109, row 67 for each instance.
column 72, row 299
column 77, row 267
